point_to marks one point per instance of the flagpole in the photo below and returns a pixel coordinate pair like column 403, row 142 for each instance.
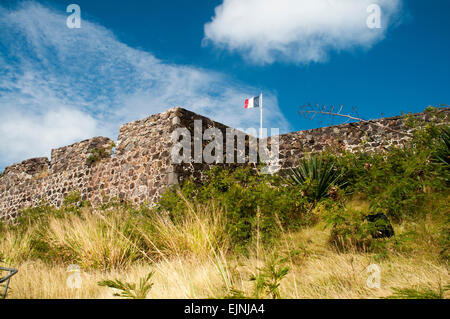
column 260, row 116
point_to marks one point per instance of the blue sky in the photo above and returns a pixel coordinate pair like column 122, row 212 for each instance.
column 134, row 58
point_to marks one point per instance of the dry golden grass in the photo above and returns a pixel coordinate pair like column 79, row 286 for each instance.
column 15, row 247
column 193, row 259
column 201, row 233
column 316, row 272
column 175, row 279
column 93, row 241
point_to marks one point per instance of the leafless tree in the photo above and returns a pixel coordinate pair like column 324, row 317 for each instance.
column 310, row 111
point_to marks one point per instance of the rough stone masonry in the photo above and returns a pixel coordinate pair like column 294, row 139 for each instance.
column 142, row 168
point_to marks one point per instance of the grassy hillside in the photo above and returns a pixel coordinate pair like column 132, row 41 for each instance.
column 243, row 234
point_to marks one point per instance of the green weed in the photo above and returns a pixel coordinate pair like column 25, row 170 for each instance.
column 130, row 290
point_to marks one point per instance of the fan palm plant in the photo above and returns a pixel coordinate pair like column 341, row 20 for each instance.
column 442, row 155
column 317, row 175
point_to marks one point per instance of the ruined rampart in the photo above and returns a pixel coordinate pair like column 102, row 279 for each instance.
column 141, row 167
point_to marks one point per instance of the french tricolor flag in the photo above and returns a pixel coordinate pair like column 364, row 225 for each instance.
column 253, row 102
column 256, row 101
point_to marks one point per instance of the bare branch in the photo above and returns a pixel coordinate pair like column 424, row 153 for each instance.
column 324, row 111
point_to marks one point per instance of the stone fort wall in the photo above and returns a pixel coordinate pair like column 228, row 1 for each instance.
column 141, row 167
column 367, row 136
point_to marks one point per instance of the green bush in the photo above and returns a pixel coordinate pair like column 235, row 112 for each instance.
column 347, row 229
column 421, row 293
column 130, row 290
column 351, row 230
column 33, row 215
column 97, row 154
column 399, row 182
column 72, row 204
column 404, row 183
column 266, row 280
column 241, row 193
column 442, row 155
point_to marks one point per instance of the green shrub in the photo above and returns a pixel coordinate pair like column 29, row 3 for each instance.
column 347, row 230
column 400, row 182
column 241, row 193
column 421, row 293
column 72, row 205
column 130, row 290
column 266, row 280
column 351, row 229
column 97, row 154
column 442, row 155
column 35, row 215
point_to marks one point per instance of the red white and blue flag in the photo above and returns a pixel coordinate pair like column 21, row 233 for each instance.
column 253, row 102
column 256, row 102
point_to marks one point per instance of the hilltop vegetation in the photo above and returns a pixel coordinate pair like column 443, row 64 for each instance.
column 302, row 234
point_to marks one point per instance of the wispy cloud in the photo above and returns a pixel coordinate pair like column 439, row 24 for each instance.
column 298, row 31
column 61, row 85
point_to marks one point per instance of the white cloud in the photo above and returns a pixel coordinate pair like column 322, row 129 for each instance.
column 23, row 134
column 61, row 85
column 299, row 31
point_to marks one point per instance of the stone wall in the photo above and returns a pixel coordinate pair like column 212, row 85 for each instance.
column 141, row 167
column 368, row 136
column 137, row 172
column 197, row 169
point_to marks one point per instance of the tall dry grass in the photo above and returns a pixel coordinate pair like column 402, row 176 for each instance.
column 201, row 232
column 193, row 258
column 15, row 247
column 95, row 241
column 317, row 272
